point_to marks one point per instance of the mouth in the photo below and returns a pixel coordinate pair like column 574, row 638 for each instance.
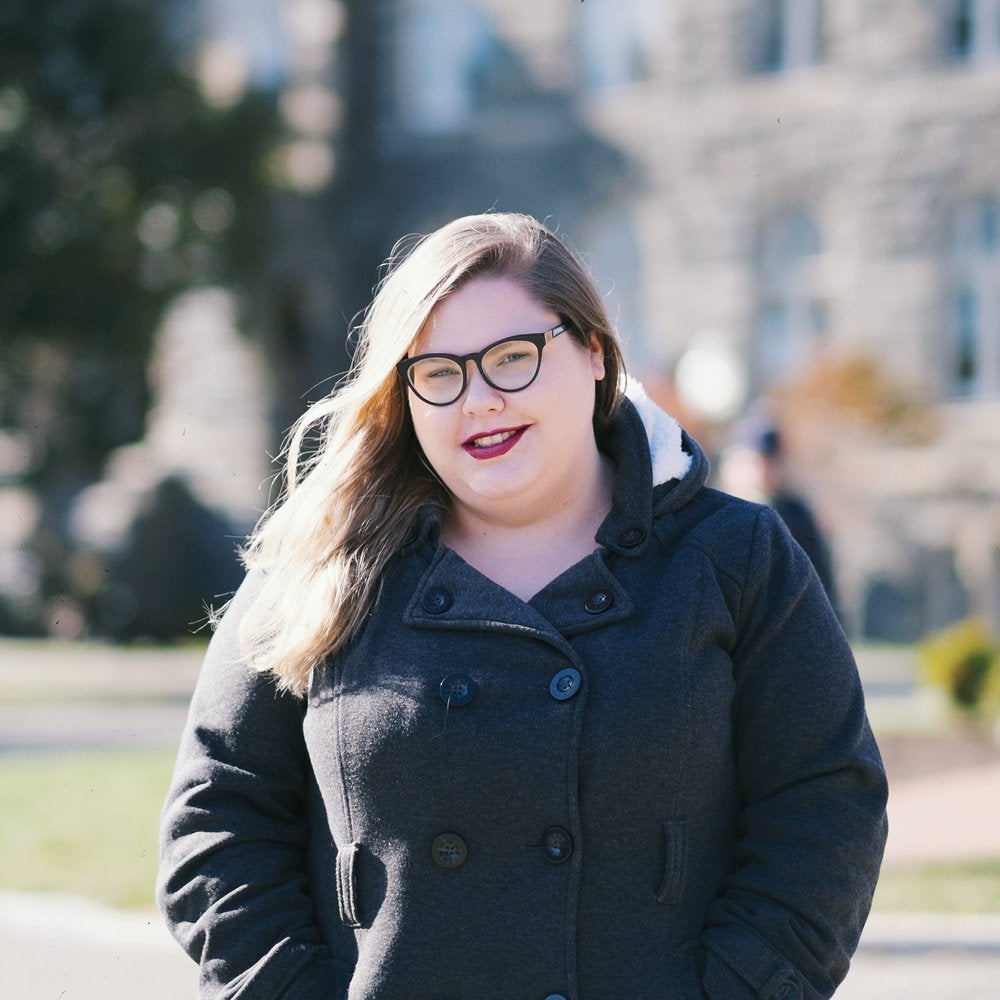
column 494, row 444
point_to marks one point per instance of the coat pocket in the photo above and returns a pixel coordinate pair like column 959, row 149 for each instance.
column 347, row 900
column 674, row 863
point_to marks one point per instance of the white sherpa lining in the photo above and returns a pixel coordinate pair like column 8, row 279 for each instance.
column 670, row 461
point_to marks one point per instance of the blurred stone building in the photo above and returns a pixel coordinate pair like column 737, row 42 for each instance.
column 822, row 190
column 804, row 193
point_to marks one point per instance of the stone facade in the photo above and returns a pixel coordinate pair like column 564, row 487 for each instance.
column 814, row 181
column 806, row 196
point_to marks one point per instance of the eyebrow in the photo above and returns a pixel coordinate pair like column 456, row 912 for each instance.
column 561, row 327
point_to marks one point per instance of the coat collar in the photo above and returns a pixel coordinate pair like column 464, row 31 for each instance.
column 658, row 467
column 664, row 437
column 453, row 595
column 643, row 444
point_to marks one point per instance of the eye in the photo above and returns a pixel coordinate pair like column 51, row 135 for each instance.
column 436, row 369
column 513, row 355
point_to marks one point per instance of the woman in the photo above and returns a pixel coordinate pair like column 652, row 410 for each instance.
column 511, row 705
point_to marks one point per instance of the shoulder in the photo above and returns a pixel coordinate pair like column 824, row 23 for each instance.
column 709, row 513
column 227, row 681
column 740, row 537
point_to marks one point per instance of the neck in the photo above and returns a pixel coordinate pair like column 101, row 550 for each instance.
column 580, row 504
column 524, row 549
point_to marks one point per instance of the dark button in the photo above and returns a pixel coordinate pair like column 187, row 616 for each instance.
column 631, row 537
column 598, row 601
column 436, row 601
column 787, row 990
column 565, row 684
column 555, row 996
column 449, row 851
column 557, row 845
column 457, row 690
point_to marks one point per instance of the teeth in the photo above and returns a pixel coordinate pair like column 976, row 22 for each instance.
column 492, row 439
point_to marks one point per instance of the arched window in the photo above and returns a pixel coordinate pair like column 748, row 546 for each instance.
column 788, row 34
column 442, row 46
column 791, row 315
column 613, row 250
column 618, row 39
column 972, row 354
column 972, row 30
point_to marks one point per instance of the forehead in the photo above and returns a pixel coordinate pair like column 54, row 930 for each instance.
column 481, row 311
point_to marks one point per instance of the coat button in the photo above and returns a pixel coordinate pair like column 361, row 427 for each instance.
column 555, row 996
column 557, row 845
column 787, row 990
column 631, row 537
column 457, row 690
column 598, row 601
column 436, row 601
column 565, row 684
column 448, row 850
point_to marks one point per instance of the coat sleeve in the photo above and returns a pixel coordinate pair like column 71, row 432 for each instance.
column 232, row 882
column 812, row 823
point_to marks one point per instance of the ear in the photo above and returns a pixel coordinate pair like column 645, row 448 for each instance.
column 596, row 353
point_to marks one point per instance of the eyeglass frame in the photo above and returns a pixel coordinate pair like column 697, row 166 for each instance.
column 404, row 365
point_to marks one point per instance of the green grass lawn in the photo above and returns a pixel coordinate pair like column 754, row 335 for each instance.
column 940, row 887
column 82, row 822
column 85, row 822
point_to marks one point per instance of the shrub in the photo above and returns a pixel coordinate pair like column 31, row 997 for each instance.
column 964, row 660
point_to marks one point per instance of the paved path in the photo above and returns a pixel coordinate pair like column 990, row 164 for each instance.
column 58, row 726
column 67, row 949
column 59, row 948
column 950, row 815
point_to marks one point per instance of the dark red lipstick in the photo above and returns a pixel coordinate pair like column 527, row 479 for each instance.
column 494, row 443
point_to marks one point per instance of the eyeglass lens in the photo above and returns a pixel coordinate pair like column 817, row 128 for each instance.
column 509, row 366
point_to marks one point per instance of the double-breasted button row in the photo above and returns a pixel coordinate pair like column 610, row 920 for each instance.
column 437, row 601
column 449, row 850
column 458, row 690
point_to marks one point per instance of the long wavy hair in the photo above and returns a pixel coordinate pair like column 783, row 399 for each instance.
column 355, row 477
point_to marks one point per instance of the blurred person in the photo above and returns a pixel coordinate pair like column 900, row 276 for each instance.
column 510, row 704
column 754, row 465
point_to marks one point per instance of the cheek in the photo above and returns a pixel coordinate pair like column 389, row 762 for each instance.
column 426, row 426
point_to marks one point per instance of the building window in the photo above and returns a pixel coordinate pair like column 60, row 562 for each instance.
column 618, row 41
column 973, row 336
column 789, row 35
column 791, row 315
column 973, row 30
column 442, row 44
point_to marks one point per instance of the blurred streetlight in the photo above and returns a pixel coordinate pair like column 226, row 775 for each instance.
column 711, row 377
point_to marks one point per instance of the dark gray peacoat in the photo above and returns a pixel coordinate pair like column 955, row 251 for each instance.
column 653, row 781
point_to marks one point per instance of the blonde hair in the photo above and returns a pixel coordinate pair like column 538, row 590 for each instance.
column 355, row 476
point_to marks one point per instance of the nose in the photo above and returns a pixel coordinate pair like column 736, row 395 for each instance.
column 480, row 396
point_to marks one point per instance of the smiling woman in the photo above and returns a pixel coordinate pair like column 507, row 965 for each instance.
column 497, row 630
column 528, row 485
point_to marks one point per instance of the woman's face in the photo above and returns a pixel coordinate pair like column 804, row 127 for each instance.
column 509, row 456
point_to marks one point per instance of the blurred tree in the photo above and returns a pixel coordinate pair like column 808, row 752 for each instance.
column 119, row 186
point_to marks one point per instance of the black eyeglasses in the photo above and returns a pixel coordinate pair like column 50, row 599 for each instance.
column 509, row 365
